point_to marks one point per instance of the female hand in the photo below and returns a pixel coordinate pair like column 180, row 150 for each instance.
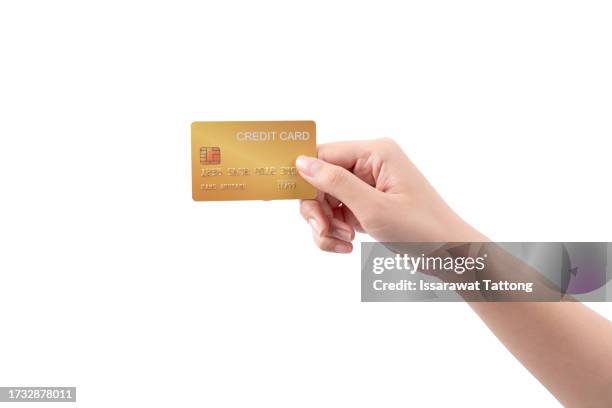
column 372, row 187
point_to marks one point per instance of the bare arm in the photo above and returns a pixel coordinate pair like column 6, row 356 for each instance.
column 373, row 187
column 565, row 345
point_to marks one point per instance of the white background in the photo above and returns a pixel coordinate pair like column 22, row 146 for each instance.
column 114, row 280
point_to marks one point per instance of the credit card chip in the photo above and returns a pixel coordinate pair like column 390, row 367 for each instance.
column 210, row 155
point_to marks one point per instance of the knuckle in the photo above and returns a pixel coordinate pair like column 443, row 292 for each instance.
column 326, row 244
column 386, row 147
column 321, row 244
column 334, row 176
column 305, row 208
column 387, row 142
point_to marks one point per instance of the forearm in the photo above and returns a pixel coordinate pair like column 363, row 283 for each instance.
column 565, row 345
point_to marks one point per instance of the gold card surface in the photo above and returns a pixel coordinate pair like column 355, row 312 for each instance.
column 250, row 160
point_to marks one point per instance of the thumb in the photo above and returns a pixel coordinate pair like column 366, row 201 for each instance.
column 338, row 182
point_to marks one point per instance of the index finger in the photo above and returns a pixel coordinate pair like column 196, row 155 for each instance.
column 354, row 156
column 344, row 154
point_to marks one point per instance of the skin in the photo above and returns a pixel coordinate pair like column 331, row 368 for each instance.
column 372, row 187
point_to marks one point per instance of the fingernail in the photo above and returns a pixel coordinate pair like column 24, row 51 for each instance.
column 342, row 248
column 341, row 234
column 308, row 166
column 315, row 225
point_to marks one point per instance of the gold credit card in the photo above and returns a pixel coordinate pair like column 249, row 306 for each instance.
column 250, row 160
